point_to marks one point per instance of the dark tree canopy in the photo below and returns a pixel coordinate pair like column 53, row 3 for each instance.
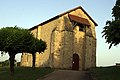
column 37, row 46
column 15, row 40
column 111, row 31
column 116, row 10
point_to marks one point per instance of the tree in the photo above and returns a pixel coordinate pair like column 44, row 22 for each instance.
column 111, row 31
column 15, row 40
column 38, row 46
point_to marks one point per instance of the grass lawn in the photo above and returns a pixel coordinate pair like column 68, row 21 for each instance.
column 106, row 73
column 22, row 73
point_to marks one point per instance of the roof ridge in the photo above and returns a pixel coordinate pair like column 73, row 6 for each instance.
column 59, row 15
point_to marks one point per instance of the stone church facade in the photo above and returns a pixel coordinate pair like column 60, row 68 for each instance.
column 71, row 41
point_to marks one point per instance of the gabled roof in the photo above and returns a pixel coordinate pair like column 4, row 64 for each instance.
column 79, row 7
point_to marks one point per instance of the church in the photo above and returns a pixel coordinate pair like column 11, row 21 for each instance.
column 71, row 41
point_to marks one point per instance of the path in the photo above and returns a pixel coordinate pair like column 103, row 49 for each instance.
column 67, row 75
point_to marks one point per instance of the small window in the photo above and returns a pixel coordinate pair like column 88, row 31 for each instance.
column 81, row 27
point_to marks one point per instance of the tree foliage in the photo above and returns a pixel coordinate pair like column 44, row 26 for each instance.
column 15, row 40
column 38, row 46
column 111, row 31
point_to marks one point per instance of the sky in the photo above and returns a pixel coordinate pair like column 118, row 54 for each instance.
column 28, row 13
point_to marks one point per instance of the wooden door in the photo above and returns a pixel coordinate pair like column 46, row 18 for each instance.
column 75, row 62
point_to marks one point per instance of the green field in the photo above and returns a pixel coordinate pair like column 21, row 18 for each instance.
column 22, row 73
column 106, row 73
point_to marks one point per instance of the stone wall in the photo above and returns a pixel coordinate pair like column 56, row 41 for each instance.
column 46, row 34
column 78, row 45
column 26, row 60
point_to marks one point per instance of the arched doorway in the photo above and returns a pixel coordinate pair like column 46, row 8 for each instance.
column 75, row 62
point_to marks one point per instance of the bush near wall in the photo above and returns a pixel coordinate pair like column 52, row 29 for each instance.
column 18, row 63
column 0, row 64
column 6, row 63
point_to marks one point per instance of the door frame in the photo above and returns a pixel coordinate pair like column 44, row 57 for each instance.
column 75, row 62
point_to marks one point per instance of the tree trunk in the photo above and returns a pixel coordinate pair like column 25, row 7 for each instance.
column 34, row 59
column 12, row 59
